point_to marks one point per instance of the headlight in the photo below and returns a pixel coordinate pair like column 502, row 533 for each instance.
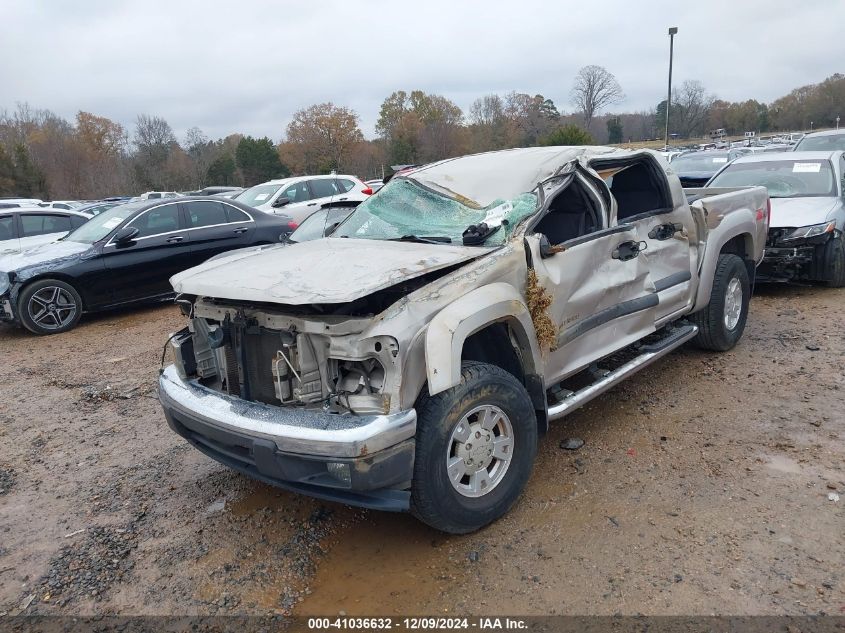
column 806, row 232
column 4, row 283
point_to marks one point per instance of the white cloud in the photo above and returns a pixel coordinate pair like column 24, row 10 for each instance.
column 247, row 66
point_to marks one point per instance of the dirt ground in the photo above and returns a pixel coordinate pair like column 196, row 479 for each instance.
column 706, row 485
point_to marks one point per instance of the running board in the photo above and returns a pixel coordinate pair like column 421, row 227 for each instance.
column 648, row 354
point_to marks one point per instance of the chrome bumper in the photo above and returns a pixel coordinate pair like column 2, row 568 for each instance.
column 291, row 429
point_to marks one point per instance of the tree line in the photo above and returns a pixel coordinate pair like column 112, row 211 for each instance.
column 46, row 156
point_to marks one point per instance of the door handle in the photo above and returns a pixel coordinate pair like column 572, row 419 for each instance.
column 240, row 230
column 175, row 239
column 628, row 250
column 665, row 231
column 311, row 204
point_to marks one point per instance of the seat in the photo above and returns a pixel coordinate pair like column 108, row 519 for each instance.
column 633, row 192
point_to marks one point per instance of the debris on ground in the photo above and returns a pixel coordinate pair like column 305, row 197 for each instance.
column 91, row 567
column 7, row 479
column 571, row 443
column 539, row 300
column 832, row 496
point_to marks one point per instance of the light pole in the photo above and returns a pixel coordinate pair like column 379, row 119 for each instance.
column 811, row 126
column 672, row 31
column 837, row 121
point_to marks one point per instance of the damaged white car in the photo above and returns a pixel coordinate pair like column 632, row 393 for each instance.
column 411, row 360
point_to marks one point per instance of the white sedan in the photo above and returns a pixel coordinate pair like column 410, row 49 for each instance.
column 26, row 227
column 301, row 196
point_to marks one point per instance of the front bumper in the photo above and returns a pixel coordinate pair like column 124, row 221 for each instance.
column 6, row 311
column 782, row 263
column 365, row 461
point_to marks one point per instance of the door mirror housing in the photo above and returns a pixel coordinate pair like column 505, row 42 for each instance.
column 126, row 235
column 547, row 249
column 281, row 201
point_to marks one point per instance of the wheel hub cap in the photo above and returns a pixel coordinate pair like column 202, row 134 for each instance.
column 733, row 303
column 479, row 451
column 51, row 308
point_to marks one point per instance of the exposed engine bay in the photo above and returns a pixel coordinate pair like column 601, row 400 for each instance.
column 276, row 360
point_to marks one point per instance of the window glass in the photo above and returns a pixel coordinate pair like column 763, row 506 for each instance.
column 236, row 215
column 7, row 227
column 345, row 185
column 205, row 213
column 76, row 221
column 159, row 220
column 298, row 192
column 42, row 224
column 257, row 195
column 324, row 187
column 787, row 178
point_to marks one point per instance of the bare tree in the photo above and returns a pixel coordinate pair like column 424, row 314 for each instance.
column 690, row 108
column 594, row 89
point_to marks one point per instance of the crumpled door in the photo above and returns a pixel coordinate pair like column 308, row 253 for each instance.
column 602, row 297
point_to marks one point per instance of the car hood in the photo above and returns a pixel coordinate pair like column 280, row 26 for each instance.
column 794, row 212
column 334, row 270
column 52, row 253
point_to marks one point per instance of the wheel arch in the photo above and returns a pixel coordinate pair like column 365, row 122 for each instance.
column 738, row 241
column 58, row 276
column 492, row 325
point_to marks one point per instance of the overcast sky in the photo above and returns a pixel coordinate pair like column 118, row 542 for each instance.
column 247, row 65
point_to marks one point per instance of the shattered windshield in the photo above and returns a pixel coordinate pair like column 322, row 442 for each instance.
column 404, row 209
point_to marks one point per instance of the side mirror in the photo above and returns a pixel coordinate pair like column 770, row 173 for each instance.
column 281, row 201
column 126, row 235
column 330, row 229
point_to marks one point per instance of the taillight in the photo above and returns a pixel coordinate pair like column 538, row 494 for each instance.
column 367, row 191
column 292, row 225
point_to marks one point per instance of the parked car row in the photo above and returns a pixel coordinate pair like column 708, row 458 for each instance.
column 125, row 255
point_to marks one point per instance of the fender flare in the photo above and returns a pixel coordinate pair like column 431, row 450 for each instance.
column 734, row 225
column 445, row 336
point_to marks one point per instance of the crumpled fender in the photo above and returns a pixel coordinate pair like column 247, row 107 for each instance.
column 444, row 339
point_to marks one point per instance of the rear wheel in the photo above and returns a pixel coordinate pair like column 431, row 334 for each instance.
column 722, row 322
column 49, row 306
column 475, row 448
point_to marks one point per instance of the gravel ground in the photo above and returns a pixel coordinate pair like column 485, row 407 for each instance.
column 704, row 485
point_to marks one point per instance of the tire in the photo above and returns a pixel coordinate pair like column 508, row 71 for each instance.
column 717, row 331
column 469, row 504
column 49, row 306
column 834, row 262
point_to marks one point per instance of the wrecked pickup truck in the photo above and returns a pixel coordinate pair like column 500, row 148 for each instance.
column 411, row 360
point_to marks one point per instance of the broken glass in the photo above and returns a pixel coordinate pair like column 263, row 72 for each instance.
column 403, row 208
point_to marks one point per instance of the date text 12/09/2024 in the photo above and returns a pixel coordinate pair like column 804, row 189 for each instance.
column 416, row 623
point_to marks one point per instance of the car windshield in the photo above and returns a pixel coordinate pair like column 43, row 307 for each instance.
column 699, row 162
column 782, row 178
column 403, row 208
column 257, row 195
column 101, row 225
column 826, row 143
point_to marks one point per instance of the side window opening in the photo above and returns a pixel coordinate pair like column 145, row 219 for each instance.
column 7, row 227
column 637, row 191
column 573, row 213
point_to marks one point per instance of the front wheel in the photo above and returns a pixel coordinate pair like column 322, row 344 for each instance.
column 475, row 448
column 834, row 262
column 49, row 306
column 722, row 321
